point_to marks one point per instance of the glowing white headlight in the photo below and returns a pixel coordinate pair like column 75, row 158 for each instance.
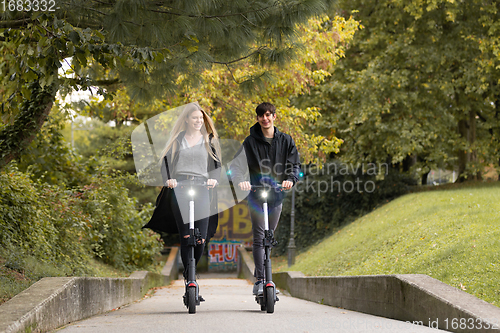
column 264, row 194
column 191, row 192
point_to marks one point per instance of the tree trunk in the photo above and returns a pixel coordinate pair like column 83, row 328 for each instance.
column 463, row 154
column 467, row 130
column 408, row 162
column 16, row 137
column 472, row 138
column 424, row 178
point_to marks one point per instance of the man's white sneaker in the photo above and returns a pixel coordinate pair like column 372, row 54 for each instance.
column 258, row 288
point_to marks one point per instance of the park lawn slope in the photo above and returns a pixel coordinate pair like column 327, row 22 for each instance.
column 451, row 235
column 13, row 281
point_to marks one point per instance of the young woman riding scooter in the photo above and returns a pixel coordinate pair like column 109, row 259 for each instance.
column 192, row 154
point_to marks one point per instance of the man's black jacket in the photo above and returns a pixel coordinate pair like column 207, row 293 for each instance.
column 265, row 162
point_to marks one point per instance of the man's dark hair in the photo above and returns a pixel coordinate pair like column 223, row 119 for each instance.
column 264, row 107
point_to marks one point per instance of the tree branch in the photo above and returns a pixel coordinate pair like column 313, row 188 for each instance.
column 103, row 13
column 89, row 8
column 87, row 82
column 236, row 60
column 209, row 16
column 108, row 82
column 232, row 75
column 15, row 23
column 104, row 3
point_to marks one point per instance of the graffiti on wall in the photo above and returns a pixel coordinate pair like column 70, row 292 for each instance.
column 235, row 229
column 223, row 255
column 234, row 223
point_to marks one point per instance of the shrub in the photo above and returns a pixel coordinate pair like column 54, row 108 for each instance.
column 39, row 221
column 115, row 234
column 68, row 227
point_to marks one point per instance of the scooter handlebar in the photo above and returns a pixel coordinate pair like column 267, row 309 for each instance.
column 269, row 186
column 197, row 184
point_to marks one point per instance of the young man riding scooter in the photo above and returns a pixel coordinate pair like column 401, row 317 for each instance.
column 272, row 158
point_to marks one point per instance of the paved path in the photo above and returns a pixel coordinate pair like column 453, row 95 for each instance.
column 230, row 307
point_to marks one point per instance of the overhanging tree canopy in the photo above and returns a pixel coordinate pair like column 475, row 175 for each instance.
column 420, row 83
column 323, row 42
column 146, row 45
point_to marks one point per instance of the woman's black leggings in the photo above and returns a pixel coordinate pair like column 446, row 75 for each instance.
column 198, row 252
column 202, row 212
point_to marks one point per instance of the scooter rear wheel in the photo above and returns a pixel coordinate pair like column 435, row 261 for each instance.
column 270, row 299
column 191, row 293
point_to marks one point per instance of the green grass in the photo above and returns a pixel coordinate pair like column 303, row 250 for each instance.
column 13, row 280
column 21, row 272
column 452, row 234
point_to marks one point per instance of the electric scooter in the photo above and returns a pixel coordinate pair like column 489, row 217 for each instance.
column 268, row 298
column 192, row 295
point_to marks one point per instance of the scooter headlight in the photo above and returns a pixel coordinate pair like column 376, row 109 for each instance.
column 264, row 194
column 191, row 192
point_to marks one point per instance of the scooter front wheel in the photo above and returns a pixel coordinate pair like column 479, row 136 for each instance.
column 270, row 299
column 191, row 296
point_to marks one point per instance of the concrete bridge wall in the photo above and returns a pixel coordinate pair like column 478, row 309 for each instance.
column 416, row 298
column 56, row 301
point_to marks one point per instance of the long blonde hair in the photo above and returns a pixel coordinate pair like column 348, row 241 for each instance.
column 206, row 130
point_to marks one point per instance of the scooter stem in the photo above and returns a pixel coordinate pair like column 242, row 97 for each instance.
column 266, row 218
column 191, row 214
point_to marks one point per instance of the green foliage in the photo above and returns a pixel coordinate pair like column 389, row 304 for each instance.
column 346, row 195
column 147, row 46
column 98, row 143
column 322, row 43
column 418, row 84
column 115, row 233
column 68, row 227
column 39, row 220
column 59, row 210
column 94, row 138
column 447, row 234
column 50, row 159
column 15, row 137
